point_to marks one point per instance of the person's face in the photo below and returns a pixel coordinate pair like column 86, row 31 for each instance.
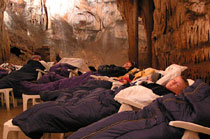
column 176, row 85
column 127, row 65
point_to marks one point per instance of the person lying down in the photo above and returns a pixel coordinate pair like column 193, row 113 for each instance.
column 73, row 109
column 153, row 120
column 144, row 93
column 176, row 85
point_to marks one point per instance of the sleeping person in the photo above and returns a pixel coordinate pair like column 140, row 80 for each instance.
column 139, row 96
column 190, row 105
column 176, row 85
column 104, row 70
column 26, row 73
column 72, row 109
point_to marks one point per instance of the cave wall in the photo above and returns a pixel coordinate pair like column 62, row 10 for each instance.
column 88, row 29
column 4, row 40
column 138, row 15
column 95, row 31
column 181, row 35
column 129, row 12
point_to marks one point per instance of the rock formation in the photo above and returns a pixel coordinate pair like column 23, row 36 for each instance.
column 92, row 30
column 4, row 40
column 181, row 35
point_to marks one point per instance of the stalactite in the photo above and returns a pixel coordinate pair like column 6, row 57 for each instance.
column 205, row 58
column 202, row 56
column 4, row 42
column 189, row 41
column 208, row 55
column 198, row 60
column 46, row 14
column 129, row 11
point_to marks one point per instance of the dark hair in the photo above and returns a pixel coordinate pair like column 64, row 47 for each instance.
column 133, row 65
column 185, row 78
column 36, row 57
column 57, row 57
column 185, row 81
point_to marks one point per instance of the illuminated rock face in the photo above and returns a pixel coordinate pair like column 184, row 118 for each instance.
column 87, row 29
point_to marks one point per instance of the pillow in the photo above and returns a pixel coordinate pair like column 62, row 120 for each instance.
column 170, row 73
column 137, row 96
column 76, row 62
column 190, row 81
column 174, row 67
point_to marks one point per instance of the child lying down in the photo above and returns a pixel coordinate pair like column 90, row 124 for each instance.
column 153, row 120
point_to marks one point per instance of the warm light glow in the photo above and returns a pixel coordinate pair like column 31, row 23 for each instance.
column 33, row 3
column 7, row 19
column 58, row 8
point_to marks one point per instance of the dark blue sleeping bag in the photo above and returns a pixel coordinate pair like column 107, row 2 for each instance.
column 73, row 109
column 153, row 121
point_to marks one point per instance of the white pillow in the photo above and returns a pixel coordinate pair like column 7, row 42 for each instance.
column 77, row 62
column 174, row 67
column 137, row 96
column 190, row 81
column 170, row 73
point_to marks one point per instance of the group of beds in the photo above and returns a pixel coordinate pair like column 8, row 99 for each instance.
column 90, row 103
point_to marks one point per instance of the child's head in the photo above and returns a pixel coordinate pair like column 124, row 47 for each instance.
column 177, row 85
column 129, row 65
column 36, row 57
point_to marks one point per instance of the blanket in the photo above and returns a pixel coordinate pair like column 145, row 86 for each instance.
column 34, row 88
column 62, row 69
column 72, row 110
column 191, row 105
column 26, row 73
column 49, row 77
column 3, row 73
